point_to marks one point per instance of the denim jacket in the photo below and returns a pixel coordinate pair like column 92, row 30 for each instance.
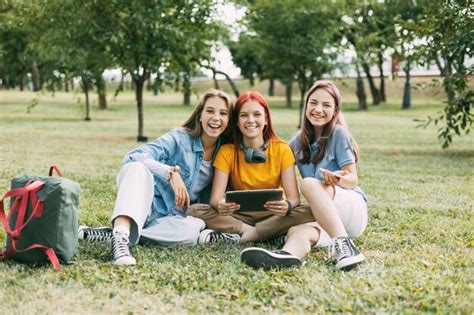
column 173, row 148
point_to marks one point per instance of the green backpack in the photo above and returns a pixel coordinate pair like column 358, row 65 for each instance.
column 42, row 223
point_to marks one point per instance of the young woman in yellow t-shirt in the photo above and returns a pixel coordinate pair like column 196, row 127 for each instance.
column 258, row 159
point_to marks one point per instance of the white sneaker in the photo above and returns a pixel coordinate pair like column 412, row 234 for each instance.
column 120, row 249
column 212, row 237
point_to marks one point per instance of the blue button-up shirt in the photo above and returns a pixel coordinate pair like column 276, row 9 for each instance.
column 173, row 148
column 338, row 153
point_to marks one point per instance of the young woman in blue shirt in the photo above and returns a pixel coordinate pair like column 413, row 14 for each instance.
column 159, row 182
column 326, row 155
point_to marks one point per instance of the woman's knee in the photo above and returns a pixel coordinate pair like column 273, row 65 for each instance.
column 307, row 232
column 311, row 185
column 315, row 190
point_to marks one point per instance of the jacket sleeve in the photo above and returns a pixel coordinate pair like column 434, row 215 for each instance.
column 155, row 155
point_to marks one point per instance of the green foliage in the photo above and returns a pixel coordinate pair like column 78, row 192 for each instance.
column 285, row 42
column 447, row 30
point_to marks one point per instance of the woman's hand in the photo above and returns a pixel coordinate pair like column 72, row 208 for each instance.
column 333, row 178
column 227, row 208
column 181, row 196
column 277, row 207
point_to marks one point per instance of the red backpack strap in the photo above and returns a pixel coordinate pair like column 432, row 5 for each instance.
column 55, row 168
column 49, row 252
column 20, row 205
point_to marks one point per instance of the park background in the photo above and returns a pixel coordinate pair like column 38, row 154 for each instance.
column 419, row 241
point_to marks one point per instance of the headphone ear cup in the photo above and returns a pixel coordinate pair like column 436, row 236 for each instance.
column 248, row 153
column 259, row 157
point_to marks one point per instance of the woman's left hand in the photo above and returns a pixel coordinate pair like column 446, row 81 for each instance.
column 332, row 178
column 277, row 207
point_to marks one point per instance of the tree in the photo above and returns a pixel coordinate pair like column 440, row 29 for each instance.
column 77, row 43
column 144, row 37
column 289, row 41
column 365, row 28
column 447, row 29
column 406, row 41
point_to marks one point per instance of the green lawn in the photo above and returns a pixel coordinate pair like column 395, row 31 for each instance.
column 419, row 241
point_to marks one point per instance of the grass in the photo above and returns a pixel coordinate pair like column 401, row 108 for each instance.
column 419, row 241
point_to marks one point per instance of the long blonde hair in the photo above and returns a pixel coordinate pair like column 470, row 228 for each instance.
column 193, row 126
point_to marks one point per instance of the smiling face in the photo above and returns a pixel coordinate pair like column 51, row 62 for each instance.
column 320, row 109
column 214, row 117
column 252, row 120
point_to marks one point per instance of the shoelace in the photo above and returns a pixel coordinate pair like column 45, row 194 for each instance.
column 120, row 245
column 339, row 248
column 216, row 236
column 93, row 235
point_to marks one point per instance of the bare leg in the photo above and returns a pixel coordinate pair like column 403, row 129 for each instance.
column 319, row 197
column 248, row 233
column 123, row 221
column 300, row 240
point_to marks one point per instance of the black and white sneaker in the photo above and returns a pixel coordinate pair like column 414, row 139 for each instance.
column 92, row 235
column 212, row 237
column 347, row 255
column 120, row 249
column 257, row 257
column 277, row 241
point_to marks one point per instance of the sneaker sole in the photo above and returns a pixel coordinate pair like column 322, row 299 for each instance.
column 125, row 261
column 261, row 258
column 350, row 263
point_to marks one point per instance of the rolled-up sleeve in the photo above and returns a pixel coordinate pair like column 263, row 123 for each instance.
column 154, row 155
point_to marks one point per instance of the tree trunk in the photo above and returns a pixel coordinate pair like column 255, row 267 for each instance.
column 231, row 82
column 251, row 81
column 186, row 89
column 360, row 90
column 407, row 91
column 216, row 83
column 139, row 83
column 373, row 89
column 22, row 81
column 302, row 86
column 383, row 97
column 35, row 76
column 66, row 83
column 101, row 91
column 271, row 87
column 85, row 87
column 288, row 92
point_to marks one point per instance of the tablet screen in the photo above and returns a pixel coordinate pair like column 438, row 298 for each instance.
column 253, row 200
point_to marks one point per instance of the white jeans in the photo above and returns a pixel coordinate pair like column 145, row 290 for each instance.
column 134, row 200
column 353, row 212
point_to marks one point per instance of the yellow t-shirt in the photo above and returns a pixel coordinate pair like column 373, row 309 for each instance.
column 265, row 175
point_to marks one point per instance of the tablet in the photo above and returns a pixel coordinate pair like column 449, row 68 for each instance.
column 253, row 200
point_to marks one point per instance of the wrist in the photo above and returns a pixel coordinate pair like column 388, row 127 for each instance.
column 172, row 170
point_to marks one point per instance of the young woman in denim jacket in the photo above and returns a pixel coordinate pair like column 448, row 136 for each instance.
column 326, row 155
column 159, row 181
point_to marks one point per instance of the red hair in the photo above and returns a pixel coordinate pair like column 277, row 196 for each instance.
column 268, row 132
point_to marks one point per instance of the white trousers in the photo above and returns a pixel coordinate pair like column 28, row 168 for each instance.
column 134, row 200
column 353, row 212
